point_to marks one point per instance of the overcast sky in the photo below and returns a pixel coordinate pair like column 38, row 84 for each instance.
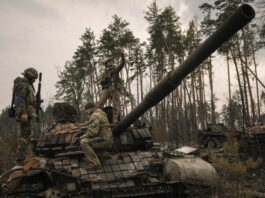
column 45, row 33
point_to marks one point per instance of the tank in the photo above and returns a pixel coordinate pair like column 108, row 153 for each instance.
column 251, row 139
column 213, row 136
column 136, row 167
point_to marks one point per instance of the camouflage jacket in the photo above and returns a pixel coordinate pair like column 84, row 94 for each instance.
column 114, row 73
column 98, row 126
column 24, row 98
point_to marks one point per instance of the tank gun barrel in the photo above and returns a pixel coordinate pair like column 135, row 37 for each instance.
column 243, row 15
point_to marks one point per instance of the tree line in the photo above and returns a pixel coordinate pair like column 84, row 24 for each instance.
column 188, row 108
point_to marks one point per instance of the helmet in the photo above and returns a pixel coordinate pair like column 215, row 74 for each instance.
column 108, row 59
column 90, row 104
column 31, row 73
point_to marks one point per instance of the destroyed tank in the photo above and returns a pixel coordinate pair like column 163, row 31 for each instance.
column 136, row 167
column 251, row 139
column 213, row 136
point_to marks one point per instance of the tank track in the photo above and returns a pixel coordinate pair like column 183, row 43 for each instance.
column 18, row 188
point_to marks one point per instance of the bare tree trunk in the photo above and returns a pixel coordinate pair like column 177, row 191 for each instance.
column 93, row 88
column 180, row 114
column 194, row 116
column 124, row 105
column 137, row 86
column 245, row 83
column 201, row 106
column 211, row 90
column 174, row 95
column 240, row 88
column 95, row 71
column 163, row 102
column 256, row 77
column 129, row 85
column 150, row 87
column 187, row 126
column 248, row 81
column 204, row 99
column 232, row 126
column 141, row 83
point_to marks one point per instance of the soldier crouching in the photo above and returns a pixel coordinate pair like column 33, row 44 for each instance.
column 98, row 130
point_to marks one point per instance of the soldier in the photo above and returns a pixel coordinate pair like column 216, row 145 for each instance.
column 25, row 112
column 111, row 85
column 98, row 129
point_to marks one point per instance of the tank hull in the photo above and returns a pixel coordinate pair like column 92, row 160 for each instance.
column 127, row 174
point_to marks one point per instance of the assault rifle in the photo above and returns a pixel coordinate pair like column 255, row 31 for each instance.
column 38, row 98
column 36, row 130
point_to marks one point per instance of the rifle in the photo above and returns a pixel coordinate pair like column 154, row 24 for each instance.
column 36, row 127
column 38, row 98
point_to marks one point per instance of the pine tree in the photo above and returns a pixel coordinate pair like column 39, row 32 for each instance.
column 74, row 85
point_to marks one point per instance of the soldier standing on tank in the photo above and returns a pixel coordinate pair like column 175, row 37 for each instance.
column 25, row 112
column 98, row 129
column 111, row 85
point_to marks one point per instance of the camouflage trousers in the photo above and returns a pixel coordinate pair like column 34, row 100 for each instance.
column 89, row 150
column 25, row 147
column 105, row 94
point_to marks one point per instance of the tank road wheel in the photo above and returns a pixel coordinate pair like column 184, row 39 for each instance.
column 52, row 193
column 211, row 144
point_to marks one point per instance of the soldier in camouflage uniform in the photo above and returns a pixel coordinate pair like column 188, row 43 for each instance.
column 25, row 111
column 98, row 128
column 111, row 85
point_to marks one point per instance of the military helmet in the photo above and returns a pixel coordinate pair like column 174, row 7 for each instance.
column 31, row 73
column 90, row 104
column 108, row 59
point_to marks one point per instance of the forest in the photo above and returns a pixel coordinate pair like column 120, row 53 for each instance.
column 194, row 103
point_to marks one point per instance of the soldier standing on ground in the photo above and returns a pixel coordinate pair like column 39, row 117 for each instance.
column 111, row 85
column 25, row 112
column 98, row 129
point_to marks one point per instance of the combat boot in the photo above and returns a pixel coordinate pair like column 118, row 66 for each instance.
column 103, row 155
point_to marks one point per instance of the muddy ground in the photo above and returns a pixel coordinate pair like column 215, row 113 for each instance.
column 249, row 184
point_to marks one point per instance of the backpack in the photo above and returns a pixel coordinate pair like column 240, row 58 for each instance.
column 11, row 110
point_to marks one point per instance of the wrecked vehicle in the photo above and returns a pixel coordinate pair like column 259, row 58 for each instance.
column 250, row 139
column 135, row 168
column 214, row 136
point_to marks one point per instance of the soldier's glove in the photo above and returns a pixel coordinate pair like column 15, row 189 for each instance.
column 77, row 138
